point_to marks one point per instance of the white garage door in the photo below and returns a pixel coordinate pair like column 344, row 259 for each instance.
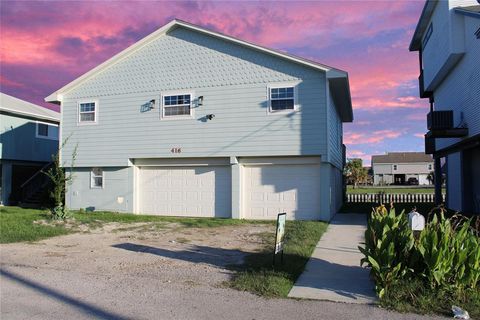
column 272, row 189
column 185, row 191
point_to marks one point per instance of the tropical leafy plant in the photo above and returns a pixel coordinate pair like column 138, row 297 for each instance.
column 388, row 242
column 446, row 254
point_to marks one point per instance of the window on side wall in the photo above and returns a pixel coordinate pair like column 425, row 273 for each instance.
column 281, row 99
column 47, row 131
column 177, row 106
column 96, row 178
column 428, row 34
column 87, row 112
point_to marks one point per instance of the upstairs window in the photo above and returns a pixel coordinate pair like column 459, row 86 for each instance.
column 177, row 105
column 47, row 131
column 428, row 34
column 96, row 178
column 282, row 99
column 87, row 112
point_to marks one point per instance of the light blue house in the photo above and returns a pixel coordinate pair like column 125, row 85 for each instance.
column 447, row 39
column 28, row 139
column 190, row 122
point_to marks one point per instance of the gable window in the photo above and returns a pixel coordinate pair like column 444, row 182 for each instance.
column 47, row 131
column 177, row 105
column 87, row 112
column 96, row 178
column 281, row 98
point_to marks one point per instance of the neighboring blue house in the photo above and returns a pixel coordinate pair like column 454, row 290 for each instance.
column 447, row 39
column 190, row 122
column 28, row 139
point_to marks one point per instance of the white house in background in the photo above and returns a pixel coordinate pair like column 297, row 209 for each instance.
column 447, row 38
column 190, row 122
column 28, row 139
column 401, row 168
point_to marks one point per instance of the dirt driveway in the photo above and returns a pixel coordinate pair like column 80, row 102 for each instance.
column 147, row 271
column 169, row 252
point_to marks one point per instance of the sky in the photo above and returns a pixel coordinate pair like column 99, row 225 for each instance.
column 46, row 44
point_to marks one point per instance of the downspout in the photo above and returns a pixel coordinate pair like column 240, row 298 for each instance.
column 438, row 180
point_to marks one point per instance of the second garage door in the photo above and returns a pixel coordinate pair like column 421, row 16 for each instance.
column 272, row 189
column 185, row 191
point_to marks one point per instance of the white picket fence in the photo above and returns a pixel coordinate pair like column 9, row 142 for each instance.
column 395, row 197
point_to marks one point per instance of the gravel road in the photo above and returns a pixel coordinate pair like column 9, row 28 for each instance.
column 141, row 274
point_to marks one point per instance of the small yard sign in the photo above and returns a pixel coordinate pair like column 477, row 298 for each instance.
column 280, row 235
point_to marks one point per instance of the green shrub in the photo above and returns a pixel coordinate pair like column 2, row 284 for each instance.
column 444, row 255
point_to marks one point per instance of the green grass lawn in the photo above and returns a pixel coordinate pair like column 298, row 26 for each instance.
column 17, row 224
column 371, row 189
column 258, row 275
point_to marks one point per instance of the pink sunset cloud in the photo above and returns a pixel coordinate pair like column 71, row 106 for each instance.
column 374, row 137
column 45, row 45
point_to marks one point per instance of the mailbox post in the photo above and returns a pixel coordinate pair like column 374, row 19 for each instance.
column 416, row 222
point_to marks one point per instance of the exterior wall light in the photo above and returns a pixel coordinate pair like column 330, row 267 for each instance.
column 152, row 104
column 200, row 101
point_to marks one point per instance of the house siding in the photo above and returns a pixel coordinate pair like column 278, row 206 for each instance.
column 466, row 99
column 18, row 140
column 436, row 51
column 335, row 133
column 116, row 195
column 403, row 168
column 234, row 82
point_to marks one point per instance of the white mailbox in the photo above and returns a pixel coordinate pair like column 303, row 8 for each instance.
column 416, row 221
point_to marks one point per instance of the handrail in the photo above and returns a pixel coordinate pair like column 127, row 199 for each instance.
column 36, row 173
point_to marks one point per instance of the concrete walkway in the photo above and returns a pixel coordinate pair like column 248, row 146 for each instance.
column 333, row 272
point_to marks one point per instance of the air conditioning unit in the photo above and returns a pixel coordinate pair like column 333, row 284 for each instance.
column 440, row 120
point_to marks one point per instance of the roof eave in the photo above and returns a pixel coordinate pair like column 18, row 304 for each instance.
column 465, row 12
column 340, row 90
column 422, row 24
column 31, row 115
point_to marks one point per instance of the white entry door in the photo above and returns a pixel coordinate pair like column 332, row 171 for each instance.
column 203, row 191
column 272, row 189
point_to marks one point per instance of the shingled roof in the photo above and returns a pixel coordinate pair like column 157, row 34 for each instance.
column 402, row 157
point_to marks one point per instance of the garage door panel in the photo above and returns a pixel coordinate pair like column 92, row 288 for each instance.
column 272, row 189
column 185, row 191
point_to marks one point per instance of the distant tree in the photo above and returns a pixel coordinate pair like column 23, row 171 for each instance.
column 355, row 172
